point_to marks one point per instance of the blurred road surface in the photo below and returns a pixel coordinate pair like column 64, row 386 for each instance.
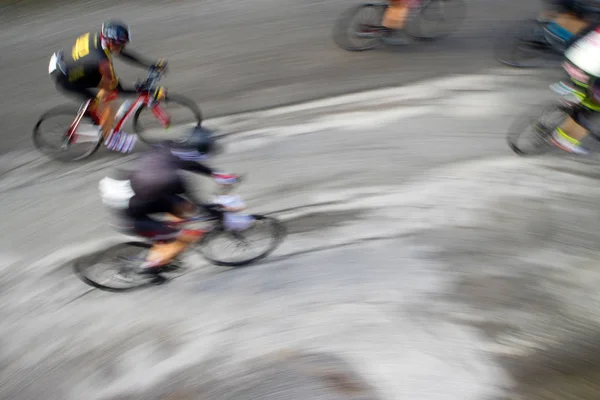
column 424, row 260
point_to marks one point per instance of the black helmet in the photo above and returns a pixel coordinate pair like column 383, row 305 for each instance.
column 201, row 140
column 116, row 31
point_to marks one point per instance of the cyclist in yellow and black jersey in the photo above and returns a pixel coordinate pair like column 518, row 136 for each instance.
column 88, row 66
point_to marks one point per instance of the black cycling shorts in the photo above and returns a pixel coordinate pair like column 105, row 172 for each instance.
column 143, row 225
column 80, row 92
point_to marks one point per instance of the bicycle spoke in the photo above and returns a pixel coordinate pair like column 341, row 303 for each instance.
column 183, row 114
column 231, row 242
column 50, row 135
column 113, row 271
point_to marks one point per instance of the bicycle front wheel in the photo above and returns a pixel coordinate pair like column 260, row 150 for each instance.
column 271, row 230
column 184, row 115
column 50, row 135
column 530, row 134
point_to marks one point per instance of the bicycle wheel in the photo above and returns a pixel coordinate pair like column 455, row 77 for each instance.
column 274, row 229
column 524, row 46
column 87, row 139
column 436, row 19
column 530, row 134
column 184, row 114
column 361, row 23
column 118, row 265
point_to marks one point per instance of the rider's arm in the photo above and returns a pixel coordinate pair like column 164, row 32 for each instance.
column 195, row 166
column 190, row 161
column 134, row 58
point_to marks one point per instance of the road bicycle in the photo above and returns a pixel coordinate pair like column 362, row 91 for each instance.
column 76, row 140
column 360, row 27
column 120, row 262
column 531, row 134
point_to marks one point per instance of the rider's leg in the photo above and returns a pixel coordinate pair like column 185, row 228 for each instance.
column 567, row 15
column 162, row 254
column 395, row 15
column 81, row 93
column 107, row 110
column 588, row 29
column 181, row 210
column 553, row 8
column 573, row 23
column 395, row 18
column 569, row 136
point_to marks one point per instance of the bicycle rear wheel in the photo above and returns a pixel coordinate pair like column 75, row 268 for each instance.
column 524, row 46
column 184, row 114
column 359, row 28
column 530, row 134
column 54, row 142
column 114, row 269
column 275, row 232
column 436, row 19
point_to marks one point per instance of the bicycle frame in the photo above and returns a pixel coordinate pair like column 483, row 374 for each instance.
column 71, row 136
column 143, row 99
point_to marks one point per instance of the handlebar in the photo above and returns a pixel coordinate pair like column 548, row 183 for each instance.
column 151, row 81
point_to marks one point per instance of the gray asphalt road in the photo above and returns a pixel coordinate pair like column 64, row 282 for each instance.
column 228, row 55
column 424, row 260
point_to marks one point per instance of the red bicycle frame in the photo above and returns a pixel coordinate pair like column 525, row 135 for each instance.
column 143, row 99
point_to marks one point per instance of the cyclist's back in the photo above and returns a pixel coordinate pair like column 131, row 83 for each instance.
column 157, row 175
column 83, row 62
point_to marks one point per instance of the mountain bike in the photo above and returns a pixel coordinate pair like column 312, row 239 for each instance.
column 79, row 135
column 360, row 27
column 531, row 134
column 225, row 224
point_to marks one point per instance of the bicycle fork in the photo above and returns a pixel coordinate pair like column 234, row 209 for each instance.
column 160, row 114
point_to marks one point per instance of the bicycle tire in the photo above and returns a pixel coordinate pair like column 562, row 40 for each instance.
column 174, row 98
column 277, row 232
column 541, row 132
column 413, row 26
column 343, row 23
column 60, row 155
column 81, row 268
column 506, row 48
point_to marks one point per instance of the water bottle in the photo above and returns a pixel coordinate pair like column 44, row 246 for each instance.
column 124, row 108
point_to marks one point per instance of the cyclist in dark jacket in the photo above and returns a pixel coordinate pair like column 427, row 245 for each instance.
column 156, row 187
